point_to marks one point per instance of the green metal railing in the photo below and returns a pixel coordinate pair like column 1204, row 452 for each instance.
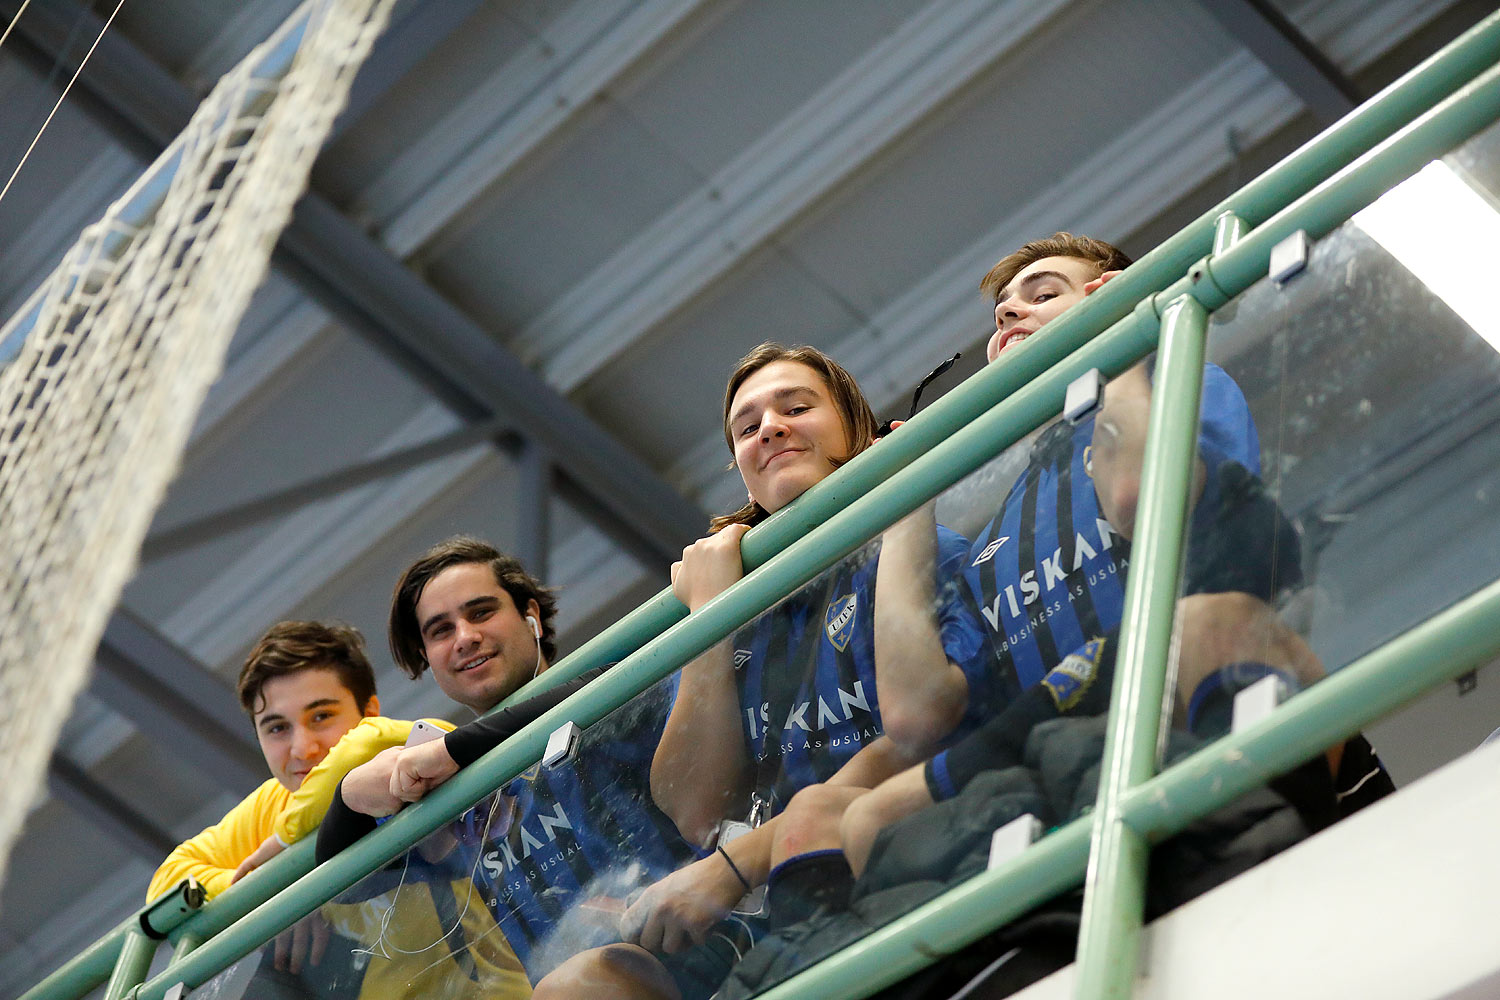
column 1108, row 937
column 1165, row 296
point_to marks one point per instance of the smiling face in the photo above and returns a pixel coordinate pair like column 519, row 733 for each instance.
column 476, row 641
column 299, row 719
column 787, row 433
column 1038, row 294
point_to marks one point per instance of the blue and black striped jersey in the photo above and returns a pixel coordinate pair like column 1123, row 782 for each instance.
column 583, row 829
column 806, row 669
column 1047, row 574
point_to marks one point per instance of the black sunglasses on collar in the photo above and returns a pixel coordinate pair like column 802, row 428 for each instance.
column 937, row 372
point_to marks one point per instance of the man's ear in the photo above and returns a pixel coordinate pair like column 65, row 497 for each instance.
column 372, row 707
column 1090, row 287
column 534, row 610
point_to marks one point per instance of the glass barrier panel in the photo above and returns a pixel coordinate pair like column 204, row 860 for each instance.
column 421, row 927
column 563, row 847
column 762, row 754
column 838, row 761
column 695, row 838
column 1373, row 381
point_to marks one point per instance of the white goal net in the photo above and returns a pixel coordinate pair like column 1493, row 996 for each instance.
column 121, row 344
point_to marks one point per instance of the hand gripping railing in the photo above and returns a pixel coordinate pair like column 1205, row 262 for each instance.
column 1185, row 278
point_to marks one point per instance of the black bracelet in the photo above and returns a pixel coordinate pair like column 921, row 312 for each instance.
column 735, row 868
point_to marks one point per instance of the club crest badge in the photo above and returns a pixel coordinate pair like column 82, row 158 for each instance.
column 840, row 621
column 1071, row 679
column 990, row 550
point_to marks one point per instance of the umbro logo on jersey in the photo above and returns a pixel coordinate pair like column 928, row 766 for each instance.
column 741, row 657
column 990, row 550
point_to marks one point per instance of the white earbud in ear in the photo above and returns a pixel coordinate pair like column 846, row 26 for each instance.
column 536, row 630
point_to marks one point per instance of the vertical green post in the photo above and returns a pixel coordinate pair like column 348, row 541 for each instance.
column 1229, row 229
column 131, row 967
column 1115, row 886
column 185, row 945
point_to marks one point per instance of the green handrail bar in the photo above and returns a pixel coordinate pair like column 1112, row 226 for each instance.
column 1373, row 121
column 184, row 944
column 87, row 969
column 251, row 891
column 759, row 590
column 1236, row 268
column 1115, row 892
column 1334, row 709
column 95, row 964
column 1016, row 415
column 136, row 952
column 1114, row 897
column 1451, row 643
column 1229, row 229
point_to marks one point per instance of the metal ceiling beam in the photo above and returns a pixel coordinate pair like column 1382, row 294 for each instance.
column 896, row 84
column 416, row 29
column 273, row 505
column 176, row 702
column 1175, row 148
column 533, row 522
column 305, row 552
column 1115, row 190
column 365, row 287
column 503, row 119
column 1278, row 43
column 378, row 297
column 106, row 810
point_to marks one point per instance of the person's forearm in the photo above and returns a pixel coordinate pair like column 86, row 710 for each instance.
column 922, row 695
column 469, row 742
column 751, row 853
column 181, row 864
column 212, row 856
column 309, row 803
column 1119, row 449
column 342, row 826
column 700, row 770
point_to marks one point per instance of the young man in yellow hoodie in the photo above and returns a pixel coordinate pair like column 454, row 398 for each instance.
column 309, row 689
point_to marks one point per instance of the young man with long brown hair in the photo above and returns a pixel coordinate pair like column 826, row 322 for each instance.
column 776, row 729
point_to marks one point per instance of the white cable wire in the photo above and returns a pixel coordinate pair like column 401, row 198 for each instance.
column 385, row 918
column 479, row 855
column 380, row 940
column 11, row 26
column 61, row 97
column 984, row 974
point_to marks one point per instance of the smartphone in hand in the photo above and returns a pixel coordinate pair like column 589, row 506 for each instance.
column 422, row 732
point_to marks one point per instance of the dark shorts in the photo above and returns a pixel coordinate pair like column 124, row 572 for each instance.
column 699, row 972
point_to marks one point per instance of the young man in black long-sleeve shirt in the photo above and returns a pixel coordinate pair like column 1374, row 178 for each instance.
column 557, row 847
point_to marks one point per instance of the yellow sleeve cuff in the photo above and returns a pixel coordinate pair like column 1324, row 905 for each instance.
column 309, row 803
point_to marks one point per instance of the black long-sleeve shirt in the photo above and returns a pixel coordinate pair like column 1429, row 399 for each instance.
column 342, row 826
